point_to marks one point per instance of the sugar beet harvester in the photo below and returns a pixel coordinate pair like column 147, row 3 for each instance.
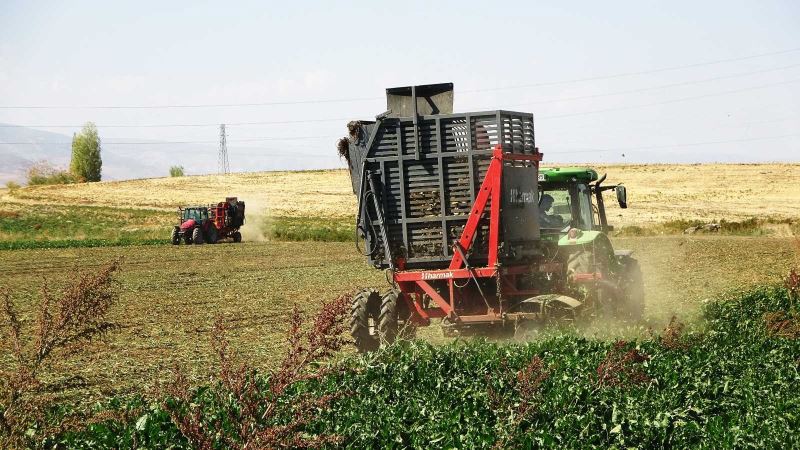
column 455, row 209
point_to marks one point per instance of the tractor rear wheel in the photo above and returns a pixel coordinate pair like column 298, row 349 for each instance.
column 197, row 236
column 237, row 237
column 602, row 298
column 176, row 238
column 212, row 235
column 364, row 316
column 633, row 285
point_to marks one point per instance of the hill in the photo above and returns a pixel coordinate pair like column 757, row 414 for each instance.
column 121, row 159
column 656, row 192
column 127, row 159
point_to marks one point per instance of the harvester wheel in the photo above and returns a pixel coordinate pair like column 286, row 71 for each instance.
column 394, row 318
column 364, row 316
column 237, row 237
column 176, row 238
column 197, row 236
column 634, row 290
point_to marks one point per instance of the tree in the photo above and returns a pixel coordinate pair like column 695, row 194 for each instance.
column 86, row 164
column 176, row 171
column 45, row 173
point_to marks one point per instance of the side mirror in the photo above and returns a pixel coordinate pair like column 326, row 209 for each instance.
column 622, row 196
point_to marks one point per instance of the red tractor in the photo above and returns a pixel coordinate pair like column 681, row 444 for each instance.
column 200, row 224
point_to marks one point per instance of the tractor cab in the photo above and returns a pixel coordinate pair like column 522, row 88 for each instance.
column 568, row 198
column 572, row 214
column 198, row 214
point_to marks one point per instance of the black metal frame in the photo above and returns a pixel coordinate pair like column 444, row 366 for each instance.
column 423, row 173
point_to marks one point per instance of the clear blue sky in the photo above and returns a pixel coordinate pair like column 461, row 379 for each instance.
column 166, row 53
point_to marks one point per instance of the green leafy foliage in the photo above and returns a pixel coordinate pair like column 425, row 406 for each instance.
column 310, row 229
column 49, row 226
column 43, row 173
column 55, row 226
column 86, row 163
column 176, row 171
column 747, row 227
column 731, row 384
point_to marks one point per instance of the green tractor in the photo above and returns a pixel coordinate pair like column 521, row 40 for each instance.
column 572, row 216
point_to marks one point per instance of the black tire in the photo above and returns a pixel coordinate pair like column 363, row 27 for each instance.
column 603, row 298
column 388, row 323
column 633, row 285
column 364, row 317
column 197, row 236
column 187, row 237
column 395, row 318
column 212, row 235
column 176, row 238
column 237, row 237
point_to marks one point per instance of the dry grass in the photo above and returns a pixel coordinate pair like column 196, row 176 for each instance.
column 657, row 192
column 325, row 193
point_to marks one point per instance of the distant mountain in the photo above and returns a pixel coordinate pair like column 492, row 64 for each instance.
column 128, row 159
column 28, row 146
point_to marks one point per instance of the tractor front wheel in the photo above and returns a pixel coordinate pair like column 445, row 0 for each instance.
column 364, row 315
column 176, row 238
column 237, row 237
column 197, row 236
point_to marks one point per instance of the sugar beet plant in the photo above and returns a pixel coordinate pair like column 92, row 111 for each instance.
column 731, row 382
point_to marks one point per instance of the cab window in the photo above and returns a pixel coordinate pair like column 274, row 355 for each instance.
column 585, row 215
column 563, row 206
column 555, row 208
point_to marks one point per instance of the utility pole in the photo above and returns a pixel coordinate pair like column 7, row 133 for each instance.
column 224, row 165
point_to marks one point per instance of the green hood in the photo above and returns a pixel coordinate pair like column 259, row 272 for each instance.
column 586, row 237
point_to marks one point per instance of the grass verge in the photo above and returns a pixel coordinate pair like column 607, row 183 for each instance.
column 310, row 229
column 30, row 244
column 749, row 227
column 23, row 226
column 53, row 226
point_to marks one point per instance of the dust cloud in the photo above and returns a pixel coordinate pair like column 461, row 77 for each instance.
column 257, row 222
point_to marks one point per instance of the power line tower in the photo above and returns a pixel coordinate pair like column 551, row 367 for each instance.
column 223, row 163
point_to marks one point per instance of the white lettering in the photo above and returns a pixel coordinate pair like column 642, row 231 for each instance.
column 436, row 275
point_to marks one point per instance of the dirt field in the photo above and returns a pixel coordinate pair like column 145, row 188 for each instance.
column 656, row 193
column 171, row 295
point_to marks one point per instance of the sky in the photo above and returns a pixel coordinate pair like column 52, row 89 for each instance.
column 638, row 81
